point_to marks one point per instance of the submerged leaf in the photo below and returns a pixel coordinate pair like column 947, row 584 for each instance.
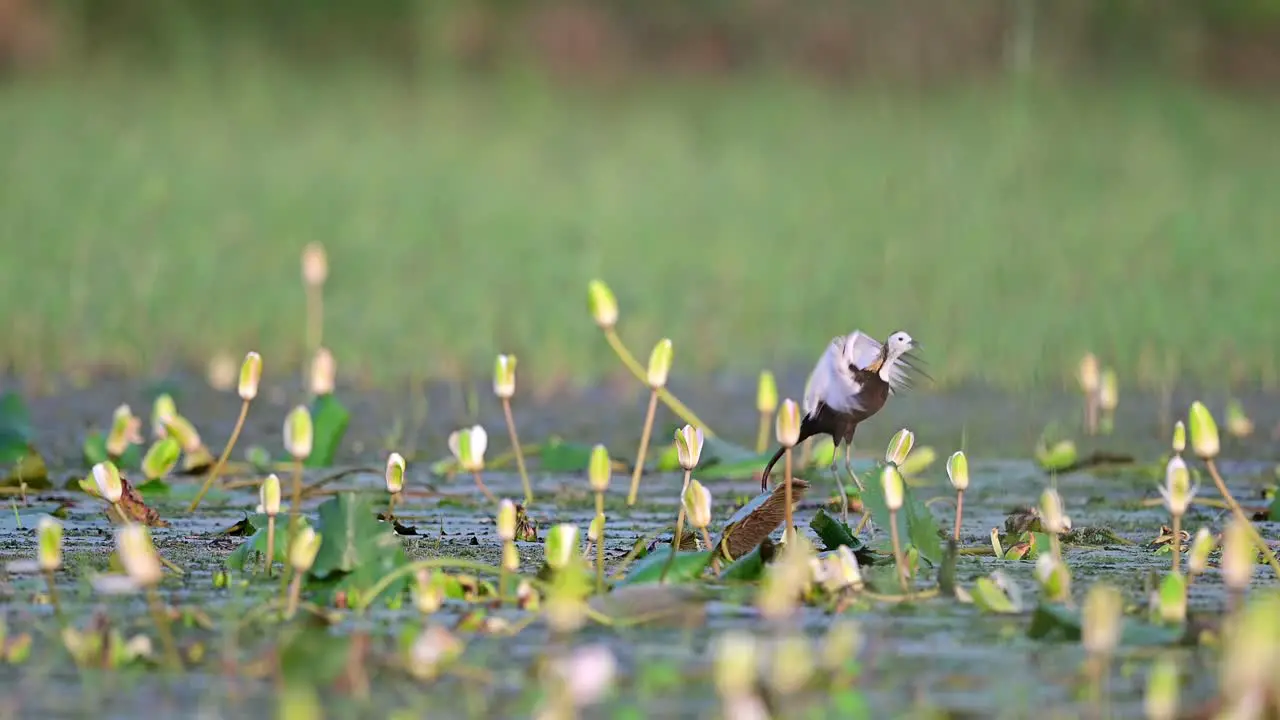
column 329, row 419
column 757, row 519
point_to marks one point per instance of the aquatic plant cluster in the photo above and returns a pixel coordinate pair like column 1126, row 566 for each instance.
column 339, row 564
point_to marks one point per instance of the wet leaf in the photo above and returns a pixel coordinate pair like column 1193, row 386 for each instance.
column 356, row 549
column 686, row 567
column 921, row 530
column 750, row 567
column 753, row 522
column 155, row 488
column 311, row 654
column 1055, row 622
column 834, row 533
column 161, row 458
column 557, row 455
column 988, row 596
column 329, row 419
column 668, row 460
column 29, row 469
column 1058, row 458
column 15, row 428
column 256, row 527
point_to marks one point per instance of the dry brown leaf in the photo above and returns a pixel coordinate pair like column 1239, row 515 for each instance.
column 742, row 535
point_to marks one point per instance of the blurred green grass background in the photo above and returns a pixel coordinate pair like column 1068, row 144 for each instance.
column 148, row 218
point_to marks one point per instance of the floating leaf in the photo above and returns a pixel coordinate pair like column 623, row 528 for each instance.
column 834, row 533
column 757, row 519
column 988, row 596
column 1056, row 622
column 668, row 460
column 329, row 420
column 15, row 428
column 686, row 567
column 921, row 528
column 567, row 457
column 1058, row 458
column 653, row 603
column 257, row 542
column 357, row 549
column 94, row 449
column 155, row 487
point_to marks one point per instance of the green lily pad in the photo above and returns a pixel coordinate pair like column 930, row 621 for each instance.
column 750, row 567
column 257, row 542
column 1055, row 622
column 15, row 428
column 329, row 419
column 915, row 521
column 94, row 449
column 834, row 533
column 557, row 455
column 686, row 567
column 357, row 550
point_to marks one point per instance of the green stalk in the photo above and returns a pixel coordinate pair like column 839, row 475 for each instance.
column 644, row 447
column 222, row 459
column 515, row 445
column 675, row 541
column 600, row 545
column 642, row 375
column 1235, row 508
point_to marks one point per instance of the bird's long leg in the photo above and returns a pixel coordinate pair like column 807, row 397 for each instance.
column 844, row 496
column 848, row 465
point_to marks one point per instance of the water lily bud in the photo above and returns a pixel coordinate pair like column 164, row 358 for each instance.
column 1161, row 701
column 162, row 410
column 303, row 549
column 1054, row 578
column 510, row 557
column 504, row 376
column 586, row 674
column 1172, row 600
column 1109, row 391
column 315, row 264
column 792, row 664
column 468, row 446
column 395, row 473
column 697, row 504
column 660, row 363
column 1204, row 431
column 596, row 529
column 1238, row 424
column 428, row 596
column 250, row 376
column 1102, row 619
column 1198, row 556
column 899, row 446
column 1088, row 374
column 891, row 480
column 1238, row 556
column 1177, row 490
column 958, row 470
column 842, row 570
column 323, row 371
column 599, row 470
column 506, row 520
column 49, row 537
column 269, row 495
column 138, row 555
column 1179, row 437
column 604, row 306
column 788, row 423
column 179, row 428
column 1052, row 517
column 736, row 663
column 560, row 545
column 161, row 458
column 124, row 431
column 766, row 393
column 107, row 479
column 299, row 434
column 689, row 441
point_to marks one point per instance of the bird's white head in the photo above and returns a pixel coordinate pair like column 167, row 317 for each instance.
column 900, row 343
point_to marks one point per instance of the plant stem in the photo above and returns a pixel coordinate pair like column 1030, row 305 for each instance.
column 53, row 599
column 1177, row 541
column 391, row 508
column 503, row 574
column 675, row 540
column 222, row 459
column 600, row 545
column 1239, row 512
column 480, row 484
column 367, row 598
column 642, row 375
column 268, row 560
column 762, row 435
column 315, row 318
column 515, row 445
column 1091, row 414
column 172, row 660
column 644, row 447
column 959, row 513
column 788, row 532
column 295, row 591
column 897, row 549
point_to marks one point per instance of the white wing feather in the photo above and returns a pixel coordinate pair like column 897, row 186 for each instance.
column 829, row 386
column 861, row 349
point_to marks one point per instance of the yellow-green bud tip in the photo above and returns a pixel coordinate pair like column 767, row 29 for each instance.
column 958, row 470
column 1204, row 431
column 303, row 549
column 137, row 555
column 604, row 306
column 689, row 440
column 49, row 535
column 269, row 495
column 899, row 446
column 660, row 363
column 891, row 482
column 788, row 423
column 1179, row 437
column 395, row 473
column 504, row 376
column 697, row 504
column 250, row 376
column 599, row 471
column 299, row 434
column 506, row 520
column 766, row 393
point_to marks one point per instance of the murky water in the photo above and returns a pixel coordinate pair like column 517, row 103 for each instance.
column 935, row 653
